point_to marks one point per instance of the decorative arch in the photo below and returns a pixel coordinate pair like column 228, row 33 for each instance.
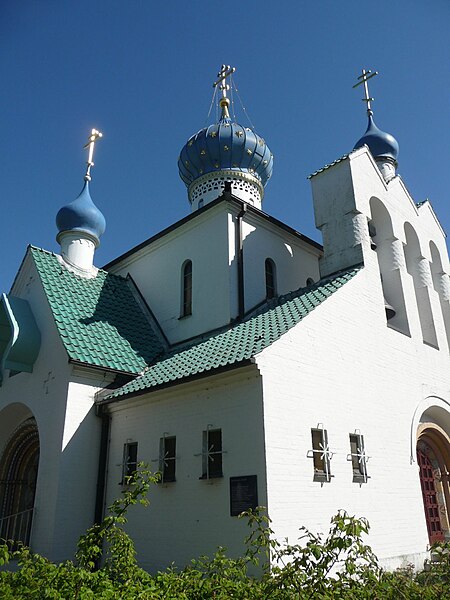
column 19, row 465
column 432, row 409
column 441, row 287
column 430, row 446
column 419, row 269
column 390, row 263
column 433, row 457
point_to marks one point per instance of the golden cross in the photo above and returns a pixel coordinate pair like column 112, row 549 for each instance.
column 224, row 72
column 363, row 79
column 95, row 135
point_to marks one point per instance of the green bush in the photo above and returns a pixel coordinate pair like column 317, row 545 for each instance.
column 338, row 565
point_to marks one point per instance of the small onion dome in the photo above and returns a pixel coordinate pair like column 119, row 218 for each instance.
column 81, row 215
column 381, row 144
column 225, row 145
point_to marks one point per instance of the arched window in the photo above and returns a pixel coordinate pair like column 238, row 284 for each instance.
column 18, row 475
column 309, row 282
column 186, row 300
column 271, row 284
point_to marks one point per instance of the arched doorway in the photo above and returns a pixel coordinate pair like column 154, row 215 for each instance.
column 433, row 458
column 18, row 475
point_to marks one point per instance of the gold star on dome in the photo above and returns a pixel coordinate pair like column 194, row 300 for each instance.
column 186, row 163
column 213, row 133
column 265, row 162
column 235, row 165
column 261, row 142
column 190, row 142
column 249, row 151
column 201, row 171
column 216, row 165
column 239, row 133
column 203, row 152
column 225, row 148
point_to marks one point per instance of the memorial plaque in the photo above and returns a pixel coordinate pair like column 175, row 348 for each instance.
column 243, row 494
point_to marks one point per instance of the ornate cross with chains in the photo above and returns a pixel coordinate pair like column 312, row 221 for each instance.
column 95, row 135
column 224, row 72
column 363, row 79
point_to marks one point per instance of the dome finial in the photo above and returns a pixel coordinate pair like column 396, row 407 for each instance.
column 383, row 146
column 224, row 102
column 95, row 135
column 363, row 79
column 80, row 223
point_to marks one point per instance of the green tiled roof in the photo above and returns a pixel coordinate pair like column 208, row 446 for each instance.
column 99, row 320
column 239, row 342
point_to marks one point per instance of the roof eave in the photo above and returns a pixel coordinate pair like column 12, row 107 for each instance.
column 104, row 401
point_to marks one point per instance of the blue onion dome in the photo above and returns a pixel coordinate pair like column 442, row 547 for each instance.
column 81, row 215
column 381, row 144
column 226, row 146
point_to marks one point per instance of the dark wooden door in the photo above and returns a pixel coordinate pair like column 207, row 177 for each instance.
column 430, row 502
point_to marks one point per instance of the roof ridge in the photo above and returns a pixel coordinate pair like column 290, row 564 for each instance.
column 99, row 269
column 331, row 164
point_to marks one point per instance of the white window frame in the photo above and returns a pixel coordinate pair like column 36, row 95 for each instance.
column 323, row 451
column 361, row 456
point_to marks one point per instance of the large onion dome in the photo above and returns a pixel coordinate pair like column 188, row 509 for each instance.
column 81, row 215
column 382, row 145
column 225, row 151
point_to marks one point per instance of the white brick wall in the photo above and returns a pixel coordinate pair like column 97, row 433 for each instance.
column 191, row 517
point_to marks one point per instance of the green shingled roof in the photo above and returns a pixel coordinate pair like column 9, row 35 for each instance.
column 239, row 342
column 99, row 320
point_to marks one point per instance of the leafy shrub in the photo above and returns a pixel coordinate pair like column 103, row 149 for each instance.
column 336, row 566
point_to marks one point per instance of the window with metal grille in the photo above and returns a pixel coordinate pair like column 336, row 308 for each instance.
column 186, row 302
column 212, row 454
column 271, row 287
column 129, row 464
column 358, row 458
column 167, row 458
column 321, row 454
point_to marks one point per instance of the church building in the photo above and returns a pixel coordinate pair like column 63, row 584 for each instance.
column 246, row 363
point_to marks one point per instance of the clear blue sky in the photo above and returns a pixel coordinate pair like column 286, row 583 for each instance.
column 141, row 72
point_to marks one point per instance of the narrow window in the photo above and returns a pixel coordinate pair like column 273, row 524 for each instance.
column 186, row 304
column 212, row 454
column 309, row 281
column 320, row 454
column 270, row 278
column 129, row 464
column 167, row 458
column 358, row 458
